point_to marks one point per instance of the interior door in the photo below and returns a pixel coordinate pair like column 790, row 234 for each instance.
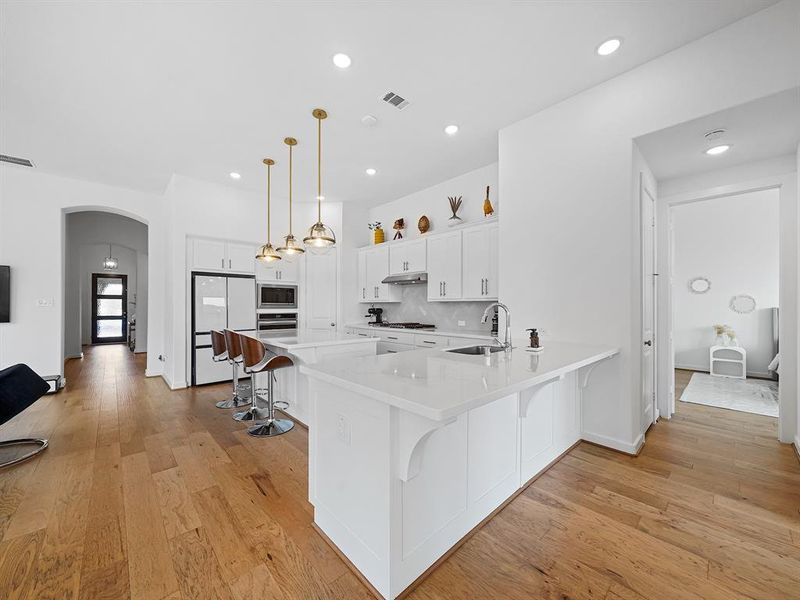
column 109, row 308
column 321, row 292
column 241, row 303
column 649, row 278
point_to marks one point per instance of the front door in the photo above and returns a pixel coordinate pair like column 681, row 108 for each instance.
column 109, row 308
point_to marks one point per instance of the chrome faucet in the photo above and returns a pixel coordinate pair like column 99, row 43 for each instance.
column 485, row 317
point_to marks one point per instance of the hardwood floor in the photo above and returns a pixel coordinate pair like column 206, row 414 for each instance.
column 147, row 493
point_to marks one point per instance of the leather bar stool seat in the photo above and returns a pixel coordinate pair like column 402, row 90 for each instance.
column 233, row 354
column 20, row 387
column 257, row 359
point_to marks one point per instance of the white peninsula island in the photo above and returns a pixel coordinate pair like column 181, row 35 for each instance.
column 308, row 348
column 408, row 452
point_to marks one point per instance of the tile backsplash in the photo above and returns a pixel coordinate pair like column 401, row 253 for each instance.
column 445, row 315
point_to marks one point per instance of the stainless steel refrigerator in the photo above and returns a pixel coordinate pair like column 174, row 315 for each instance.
column 219, row 302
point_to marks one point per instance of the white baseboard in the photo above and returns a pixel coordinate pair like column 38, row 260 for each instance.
column 797, row 445
column 149, row 373
column 79, row 355
column 171, row 385
column 615, row 444
column 704, row 369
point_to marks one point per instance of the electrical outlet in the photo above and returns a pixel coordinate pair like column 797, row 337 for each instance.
column 462, row 323
column 343, row 429
column 44, row 302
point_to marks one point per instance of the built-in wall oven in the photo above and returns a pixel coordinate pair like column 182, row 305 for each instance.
column 277, row 324
column 276, row 296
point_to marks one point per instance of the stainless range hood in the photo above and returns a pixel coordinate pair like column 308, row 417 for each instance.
column 407, row 278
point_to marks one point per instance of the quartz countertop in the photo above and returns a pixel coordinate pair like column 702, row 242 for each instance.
column 440, row 385
column 309, row 339
column 467, row 333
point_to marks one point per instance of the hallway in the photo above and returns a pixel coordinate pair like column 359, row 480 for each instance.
column 148, row 493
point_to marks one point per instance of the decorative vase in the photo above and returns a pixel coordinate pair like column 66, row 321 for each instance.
column 455, row 204
column 378, row 236
column 720, row 341
column 424, row 224
column 488, row 209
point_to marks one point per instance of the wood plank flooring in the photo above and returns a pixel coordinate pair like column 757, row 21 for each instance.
column 152, row 494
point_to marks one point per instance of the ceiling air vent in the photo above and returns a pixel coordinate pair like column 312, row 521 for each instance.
column 14, row 160
column 396, row 100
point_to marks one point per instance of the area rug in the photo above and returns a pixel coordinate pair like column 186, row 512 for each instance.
column 759, row 396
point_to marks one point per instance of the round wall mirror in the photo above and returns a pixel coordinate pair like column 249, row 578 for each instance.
column 699, row 285
column 743, row 304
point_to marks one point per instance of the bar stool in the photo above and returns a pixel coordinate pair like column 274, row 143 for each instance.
column 257, row 359
column 233, row 354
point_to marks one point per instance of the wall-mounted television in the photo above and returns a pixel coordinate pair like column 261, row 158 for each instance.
column 5, row 294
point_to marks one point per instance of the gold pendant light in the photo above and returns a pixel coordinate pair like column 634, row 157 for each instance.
column 267, row 253
column 290, row 246
column 320, row 237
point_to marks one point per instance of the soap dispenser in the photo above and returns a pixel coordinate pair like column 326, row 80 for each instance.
column 534, row 346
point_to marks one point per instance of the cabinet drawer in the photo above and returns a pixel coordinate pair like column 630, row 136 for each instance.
column 397, row 337
column 430, row 341
column 393, row 347
column 456, row 342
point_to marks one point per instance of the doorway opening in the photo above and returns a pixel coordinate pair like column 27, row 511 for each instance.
column 105, row 282
column 726, row 332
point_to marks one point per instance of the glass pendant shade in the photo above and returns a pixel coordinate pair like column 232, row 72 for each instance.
column 110, row 263
column 290, row 247
column 267, row 253
column 320, row 237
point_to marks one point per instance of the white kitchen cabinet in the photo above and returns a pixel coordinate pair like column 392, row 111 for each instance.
column 362, row 276
column 393, row 347
column 241, row 257
column 444, row 267
column 208, row 255
column 279, row 270
column 422, row 340
column 219, row 255
column 407, row 257
column 376, row 269
column 480, row 266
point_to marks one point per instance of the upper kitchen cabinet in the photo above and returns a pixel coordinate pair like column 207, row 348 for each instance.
column 480, row 263
column 407, row 257
column 219, row 255
column 373, row 268
column 279, row 270
column 241, row 257
column 444, row 266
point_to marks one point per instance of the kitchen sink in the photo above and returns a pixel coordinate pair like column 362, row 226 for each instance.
column 477, row 350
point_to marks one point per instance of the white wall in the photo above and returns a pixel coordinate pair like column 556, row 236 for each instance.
column 433, row 203
column 32, row 210
column 734, row 242
column 565, row 175
column 86, row 245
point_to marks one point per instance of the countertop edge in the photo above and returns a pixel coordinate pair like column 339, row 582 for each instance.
column 443, row 415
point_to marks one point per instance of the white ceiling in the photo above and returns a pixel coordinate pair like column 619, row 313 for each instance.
column 765, row 128
column 129, row 92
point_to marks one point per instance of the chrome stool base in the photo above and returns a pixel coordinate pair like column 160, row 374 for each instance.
column 41, row 443
column 254, row 413
column 240, row 399
column 271, row 428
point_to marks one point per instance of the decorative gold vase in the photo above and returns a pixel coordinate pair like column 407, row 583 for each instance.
column 378, row 235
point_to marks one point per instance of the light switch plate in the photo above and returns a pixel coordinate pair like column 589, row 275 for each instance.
column 343, row 429
column 462, row 323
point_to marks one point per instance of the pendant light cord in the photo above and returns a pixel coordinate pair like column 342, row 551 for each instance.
column 269, row 191
column 290, row 190
column 319, row 170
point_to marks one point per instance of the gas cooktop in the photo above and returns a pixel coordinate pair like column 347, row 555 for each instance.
column 403, row 325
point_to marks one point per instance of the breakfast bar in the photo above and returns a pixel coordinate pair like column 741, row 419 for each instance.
column 408, row 452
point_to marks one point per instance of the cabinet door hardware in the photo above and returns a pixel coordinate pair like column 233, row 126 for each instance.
column 223, row 263
column 229, row 264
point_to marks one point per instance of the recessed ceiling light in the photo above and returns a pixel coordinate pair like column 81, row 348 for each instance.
column 609, row 47
column 235, row 175
column 715, row 150
column 342, row 60
column 451, row 129
column 371, row 171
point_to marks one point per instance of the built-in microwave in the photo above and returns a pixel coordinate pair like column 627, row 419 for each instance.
column 272, row 295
